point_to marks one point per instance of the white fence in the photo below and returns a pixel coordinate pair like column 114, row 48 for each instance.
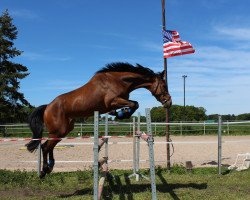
column 121, row 128
column 201, row 150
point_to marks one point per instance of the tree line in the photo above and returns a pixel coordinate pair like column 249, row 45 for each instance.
column 14, row 108
column 180, row 113
column 191, row 113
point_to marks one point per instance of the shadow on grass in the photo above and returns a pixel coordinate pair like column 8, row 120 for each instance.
column 114, row 186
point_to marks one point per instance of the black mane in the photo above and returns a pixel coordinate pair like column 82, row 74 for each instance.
column 126, row 67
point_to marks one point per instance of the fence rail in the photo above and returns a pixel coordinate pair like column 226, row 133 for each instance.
column 121, row 128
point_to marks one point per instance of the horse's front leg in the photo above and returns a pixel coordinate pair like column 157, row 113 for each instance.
column 128, row 108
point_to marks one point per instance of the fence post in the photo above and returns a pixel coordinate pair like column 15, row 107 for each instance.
column 134, row 147
column 227, row 127
column 106, row 134
column 151, row 154
column 130, row 128
column 219, row 145
column 5, row 132
column 181, row 126
column 96, row 153
column 204, row 128
column 136, row 150
column 138, row 145
column 81, row 129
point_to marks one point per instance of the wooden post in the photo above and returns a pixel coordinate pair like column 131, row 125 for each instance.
column 166, row 79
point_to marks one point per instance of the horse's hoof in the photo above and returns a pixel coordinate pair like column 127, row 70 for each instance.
column 42, row 175
column 49, row 170
column 112, row 112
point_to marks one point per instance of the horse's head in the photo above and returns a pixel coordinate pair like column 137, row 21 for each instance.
column 159, row 90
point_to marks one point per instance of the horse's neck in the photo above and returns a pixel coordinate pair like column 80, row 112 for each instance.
column 141, row 82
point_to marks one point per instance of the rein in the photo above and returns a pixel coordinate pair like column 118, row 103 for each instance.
column 158, row 83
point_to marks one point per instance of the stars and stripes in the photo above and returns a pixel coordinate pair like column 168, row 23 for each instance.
column 173, row 46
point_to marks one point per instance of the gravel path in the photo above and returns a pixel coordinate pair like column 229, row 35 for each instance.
column 187, row 148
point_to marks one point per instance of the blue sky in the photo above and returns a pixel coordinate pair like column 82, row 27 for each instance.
column 66, row 42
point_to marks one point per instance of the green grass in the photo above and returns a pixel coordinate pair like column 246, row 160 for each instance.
column 201, row 183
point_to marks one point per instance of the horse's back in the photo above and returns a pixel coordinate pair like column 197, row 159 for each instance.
column 80, row 102
column 97, row 94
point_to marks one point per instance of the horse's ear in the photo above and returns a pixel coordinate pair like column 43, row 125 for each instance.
column 138, row 65
column 163, row 75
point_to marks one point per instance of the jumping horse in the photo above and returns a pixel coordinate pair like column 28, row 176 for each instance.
column 107, row 91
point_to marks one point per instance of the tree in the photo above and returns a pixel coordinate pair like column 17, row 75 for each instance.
column 158, row 114
column 245, row 116
column 195, row 113
column 12, row 102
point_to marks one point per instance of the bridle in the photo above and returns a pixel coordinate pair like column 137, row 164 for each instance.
column 162, row 93
column 156, row 88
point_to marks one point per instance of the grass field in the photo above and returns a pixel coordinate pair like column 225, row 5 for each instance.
column 201, row 183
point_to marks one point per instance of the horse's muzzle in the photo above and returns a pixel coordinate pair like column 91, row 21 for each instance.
column 167, row 103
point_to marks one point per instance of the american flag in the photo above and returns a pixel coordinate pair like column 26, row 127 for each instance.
column 173, row 46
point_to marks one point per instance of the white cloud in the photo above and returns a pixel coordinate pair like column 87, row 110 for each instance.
column 23, row 13
column 61, row 85
column 233, row 33
column 44, row 57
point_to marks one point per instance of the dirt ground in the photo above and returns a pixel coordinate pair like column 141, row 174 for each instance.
column 72, row 155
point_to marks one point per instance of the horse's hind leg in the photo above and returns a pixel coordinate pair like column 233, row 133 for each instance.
column 51, row 162
column 47, row 148
column 49, row 145
column 45, row 159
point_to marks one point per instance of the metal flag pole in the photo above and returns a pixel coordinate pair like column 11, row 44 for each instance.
column 166, row 79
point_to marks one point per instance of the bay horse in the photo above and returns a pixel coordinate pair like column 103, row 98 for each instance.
column 107, row 91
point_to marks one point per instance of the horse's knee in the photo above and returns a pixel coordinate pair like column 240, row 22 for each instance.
column 136, row 105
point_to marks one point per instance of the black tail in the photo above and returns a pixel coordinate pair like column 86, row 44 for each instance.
column 36, row 126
